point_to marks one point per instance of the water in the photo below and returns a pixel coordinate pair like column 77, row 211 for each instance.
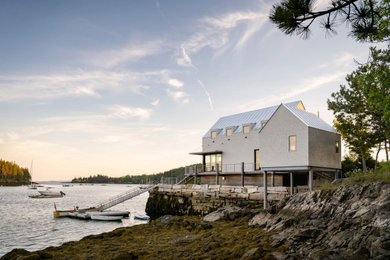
column 29, row 223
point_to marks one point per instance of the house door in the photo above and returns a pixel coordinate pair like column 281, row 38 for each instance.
column 257, row 160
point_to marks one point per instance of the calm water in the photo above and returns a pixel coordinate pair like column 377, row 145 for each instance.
column 29, row 223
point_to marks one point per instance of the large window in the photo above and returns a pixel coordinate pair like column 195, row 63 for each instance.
column 292, row 143
column 337, row 147
column 213, row 134
column 211, row 161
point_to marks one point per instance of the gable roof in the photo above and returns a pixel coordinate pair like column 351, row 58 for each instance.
column 251, row 117
column 310, row 119
column 257, row 116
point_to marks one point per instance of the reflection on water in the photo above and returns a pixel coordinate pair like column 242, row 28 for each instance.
column 29, row 223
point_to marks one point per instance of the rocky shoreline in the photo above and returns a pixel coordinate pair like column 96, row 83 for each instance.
column 350, row 222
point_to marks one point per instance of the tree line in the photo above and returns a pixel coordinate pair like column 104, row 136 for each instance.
column 11, row 172
column 171, row 176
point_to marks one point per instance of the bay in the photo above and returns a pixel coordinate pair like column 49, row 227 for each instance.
column 29, row 223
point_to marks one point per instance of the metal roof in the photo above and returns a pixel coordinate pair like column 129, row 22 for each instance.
column 251, row 117
column 310, row 119
column 257, row 116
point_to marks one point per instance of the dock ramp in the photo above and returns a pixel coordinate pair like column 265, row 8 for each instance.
column 123, row 197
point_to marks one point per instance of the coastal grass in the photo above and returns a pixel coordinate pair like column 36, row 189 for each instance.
column 381, row 174
column 186, row 237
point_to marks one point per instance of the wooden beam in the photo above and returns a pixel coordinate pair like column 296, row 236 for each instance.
column 311, row 180
column 265, row 190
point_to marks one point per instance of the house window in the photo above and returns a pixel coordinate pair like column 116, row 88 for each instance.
column 337, row 147
column 213, row 134
column 211, row 161
column 292, row 142
column 246, row 129
column 257, row 160
column 229, row 131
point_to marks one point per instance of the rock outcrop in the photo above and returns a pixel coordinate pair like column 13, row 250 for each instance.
column 351, row 222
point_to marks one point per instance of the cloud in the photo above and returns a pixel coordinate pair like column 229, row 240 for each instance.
column 175, row 83
column 77, row 83
column 178, row 96
column 208, row 96
column 130, row 53
column 184, row 60
column 128, row 112
column 307, row 85
column 156, row 102
column 214, row 33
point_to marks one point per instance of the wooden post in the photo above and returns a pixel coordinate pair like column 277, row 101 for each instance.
column 291, row 184
column 242, row 175
column 196, row 175
column 265, row 190
column 311, row 180
column 217, row 175
column 272, row 179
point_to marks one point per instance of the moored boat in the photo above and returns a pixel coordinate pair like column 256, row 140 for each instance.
column 106, row 218
column 141, row 217
column 51, row 193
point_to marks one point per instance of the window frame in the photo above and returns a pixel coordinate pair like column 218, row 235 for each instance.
column 290, row 143
column 229, row 129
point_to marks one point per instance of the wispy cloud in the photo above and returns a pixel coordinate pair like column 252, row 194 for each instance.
column 130, row 53
column 128, row 112
column 208, row 95
column 175, row 83
column 306, row 86
column 178, row 96
column 77, row 83
column 214, row 32
column 156, row 102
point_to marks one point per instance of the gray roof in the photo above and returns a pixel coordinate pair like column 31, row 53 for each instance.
column 257, row 116
column 310, row 119
column 251, row 117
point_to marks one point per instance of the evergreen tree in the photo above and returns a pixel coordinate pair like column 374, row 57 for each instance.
column 369, row 19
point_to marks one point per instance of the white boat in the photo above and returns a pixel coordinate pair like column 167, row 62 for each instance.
column 51, row 193
column 141, row 217
column 106, row 218
column 110, row 213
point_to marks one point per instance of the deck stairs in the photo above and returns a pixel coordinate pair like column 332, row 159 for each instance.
column 186, row 179
column 123, row 197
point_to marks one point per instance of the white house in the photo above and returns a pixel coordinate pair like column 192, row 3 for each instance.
column 294, row 146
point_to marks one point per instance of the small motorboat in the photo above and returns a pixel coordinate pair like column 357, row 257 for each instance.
column 106, row 218
column 141, row 217
column 111, row 213
column 51, row 193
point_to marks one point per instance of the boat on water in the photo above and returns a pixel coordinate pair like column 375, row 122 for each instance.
column 110, row 213
column 106, row 218
column 68, row 213
column 51, row 193
column 141, row 217
column 40, row 196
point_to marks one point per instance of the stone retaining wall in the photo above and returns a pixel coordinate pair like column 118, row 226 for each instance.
column 202, row 199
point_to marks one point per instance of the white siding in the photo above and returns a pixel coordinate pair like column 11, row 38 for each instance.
column 274, row 140
column 322, row 149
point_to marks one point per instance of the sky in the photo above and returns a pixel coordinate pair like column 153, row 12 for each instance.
column 130, row 87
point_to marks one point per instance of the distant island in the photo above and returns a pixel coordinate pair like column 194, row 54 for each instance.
column 171, row 177
column 12, row 174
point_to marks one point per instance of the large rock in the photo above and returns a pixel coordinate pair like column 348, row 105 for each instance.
column 227, row 212
column 350, row 222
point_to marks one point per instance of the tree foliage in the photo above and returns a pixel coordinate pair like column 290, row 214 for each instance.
column 11, row 172
column 170, row 176
column 369, row 20
column 362, row 108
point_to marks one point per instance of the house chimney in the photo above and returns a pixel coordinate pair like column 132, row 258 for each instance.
column 318, row 114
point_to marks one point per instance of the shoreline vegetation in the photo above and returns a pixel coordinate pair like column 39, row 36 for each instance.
column 170, row 177
column 12, row 174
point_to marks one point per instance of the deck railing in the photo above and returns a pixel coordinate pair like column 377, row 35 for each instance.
column 224, row 168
